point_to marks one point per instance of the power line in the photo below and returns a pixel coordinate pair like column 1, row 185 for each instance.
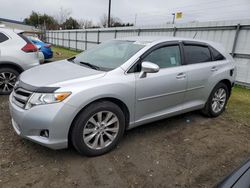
column 168, row 16
column 150, row 14
column 190, row 5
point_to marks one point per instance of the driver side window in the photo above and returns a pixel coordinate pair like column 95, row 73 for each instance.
column 165, row 57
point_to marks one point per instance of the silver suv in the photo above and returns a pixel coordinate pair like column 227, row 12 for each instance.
column 91, row 99
column 17, row 54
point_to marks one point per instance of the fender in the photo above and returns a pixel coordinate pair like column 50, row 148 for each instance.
column 11, row 65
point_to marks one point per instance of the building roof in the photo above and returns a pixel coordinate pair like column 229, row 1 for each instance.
column 13, row 21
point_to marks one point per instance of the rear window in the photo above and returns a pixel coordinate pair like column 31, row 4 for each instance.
column 24, row 38
column 197, row 54
column 217, row 56
column 3, row 37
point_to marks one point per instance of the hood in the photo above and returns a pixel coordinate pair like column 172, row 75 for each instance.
column 57, row 72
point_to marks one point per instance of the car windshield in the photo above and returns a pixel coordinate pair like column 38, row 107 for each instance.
column 109, row 55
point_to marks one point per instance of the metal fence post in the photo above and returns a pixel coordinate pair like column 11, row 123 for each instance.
column 53, row 38
column 57, row 38
column 115, row 34
column 63, row 38
column 69, row 39
column 76, row 40
column 98, row 36
column 139, row 32
column 174, row 31
column 235, row 39
column 86, row 40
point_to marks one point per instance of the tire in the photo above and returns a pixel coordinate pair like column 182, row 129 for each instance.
column 210, row 109
column 88, row 123
column 8, row 78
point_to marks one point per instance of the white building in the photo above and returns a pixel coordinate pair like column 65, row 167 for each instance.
column 13, row 24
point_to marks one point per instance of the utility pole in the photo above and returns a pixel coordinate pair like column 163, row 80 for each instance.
column 109, row 13
column 173, row 18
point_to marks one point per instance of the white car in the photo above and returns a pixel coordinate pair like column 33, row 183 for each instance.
column 17, row 54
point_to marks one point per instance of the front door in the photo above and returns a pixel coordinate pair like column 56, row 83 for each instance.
column 161, row 93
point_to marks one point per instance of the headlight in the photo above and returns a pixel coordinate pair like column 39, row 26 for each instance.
column 46, row 98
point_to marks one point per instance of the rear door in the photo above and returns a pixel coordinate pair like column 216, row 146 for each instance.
column 200, row 69
column 161, row 93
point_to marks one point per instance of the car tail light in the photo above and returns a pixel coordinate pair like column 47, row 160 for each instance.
column 29, row 47
column 48, row 46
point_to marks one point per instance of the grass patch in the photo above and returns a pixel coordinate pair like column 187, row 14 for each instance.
column 239, row 105
column 63, row 53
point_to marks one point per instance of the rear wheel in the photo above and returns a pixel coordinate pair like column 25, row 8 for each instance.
column 98, row 128
column 217, row 101
column 8, row 78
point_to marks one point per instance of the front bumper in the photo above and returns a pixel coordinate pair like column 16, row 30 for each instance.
column 56, row 118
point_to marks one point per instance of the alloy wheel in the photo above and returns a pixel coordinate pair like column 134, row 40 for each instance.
column 7, row 81
column 101, row 130
column 219, row 100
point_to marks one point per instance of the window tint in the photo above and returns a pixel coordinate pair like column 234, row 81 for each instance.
column 196, row 54
column 3, row 37
column 164, row 57
column 217, row 55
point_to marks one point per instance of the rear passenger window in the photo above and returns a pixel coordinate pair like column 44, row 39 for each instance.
column 164, row 57
column 217, row 56
column 197, row 54
column 3, row 37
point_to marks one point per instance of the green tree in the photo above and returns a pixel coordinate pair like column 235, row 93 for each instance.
column 41, row 21
column 71, row 23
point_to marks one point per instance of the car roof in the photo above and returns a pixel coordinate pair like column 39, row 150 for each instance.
column 158, row 39
column 9, row 30
column 152, row 40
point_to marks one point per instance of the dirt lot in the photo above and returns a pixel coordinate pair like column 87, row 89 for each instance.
column 183, row 151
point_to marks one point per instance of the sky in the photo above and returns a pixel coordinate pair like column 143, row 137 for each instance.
column 143, row 12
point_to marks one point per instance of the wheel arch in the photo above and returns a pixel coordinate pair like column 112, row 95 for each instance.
column 6, row 64
column 116, row 101
column 228, row 84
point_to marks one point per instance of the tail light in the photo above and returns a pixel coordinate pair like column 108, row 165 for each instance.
column 48, row 46
column 29, row 47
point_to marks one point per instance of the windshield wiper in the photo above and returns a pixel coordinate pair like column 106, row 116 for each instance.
column 90, row 65
column 71, row 59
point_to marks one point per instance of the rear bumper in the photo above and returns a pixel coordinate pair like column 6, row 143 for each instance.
column 48, row 53
column 31, row 64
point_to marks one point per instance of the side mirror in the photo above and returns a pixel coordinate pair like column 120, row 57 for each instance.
column 148, row 67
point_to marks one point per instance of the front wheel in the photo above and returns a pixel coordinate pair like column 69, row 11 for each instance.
column 8, row 78
column 217, row 101
column 98, row 128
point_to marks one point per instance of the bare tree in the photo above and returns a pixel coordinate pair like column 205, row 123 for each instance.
column 63, row 15
column 113, row 21
column 84, row 23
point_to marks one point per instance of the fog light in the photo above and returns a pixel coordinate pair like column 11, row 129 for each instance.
column 44, row 133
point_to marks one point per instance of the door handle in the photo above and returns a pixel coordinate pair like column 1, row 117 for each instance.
column 181, row 76
column 214, row 69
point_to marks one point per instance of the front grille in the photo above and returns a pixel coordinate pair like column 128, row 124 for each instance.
column 21, row 97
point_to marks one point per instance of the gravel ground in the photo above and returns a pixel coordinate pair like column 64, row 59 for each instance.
column 184, row 151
